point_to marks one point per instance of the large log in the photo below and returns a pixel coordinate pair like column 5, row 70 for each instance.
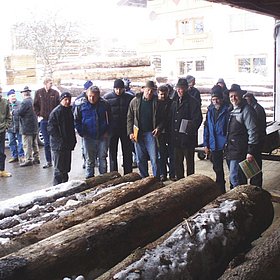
column 38, row 215
column 202, row 246
column 7, row 208
column 111, row 200
column 261, row 262
column 103, row 241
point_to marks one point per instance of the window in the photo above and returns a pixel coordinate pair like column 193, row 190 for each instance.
column 190, row 66
column 255, row 65
column 243, row 22
column 182, row 65
column 191, row 26
column 199, row 65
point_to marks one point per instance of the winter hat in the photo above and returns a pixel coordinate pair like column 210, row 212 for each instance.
column 87, row 84
column 65, row 95
column 237, row 88
column 221, row 81
column 182, row 82
column 118, row 83
column 217, row 91
column 26, row 89
column 190, row 78
column 150, row 84
column 12, row 91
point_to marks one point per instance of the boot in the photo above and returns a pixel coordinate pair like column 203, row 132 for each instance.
column 13, row 160
column 4, row 173
column 26, row 163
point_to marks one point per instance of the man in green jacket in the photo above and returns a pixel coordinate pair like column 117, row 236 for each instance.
column 5, row 120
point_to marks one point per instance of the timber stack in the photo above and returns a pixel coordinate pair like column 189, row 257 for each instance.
column 110, row 226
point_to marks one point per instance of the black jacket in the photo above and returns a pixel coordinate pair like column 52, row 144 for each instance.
column 119, row 108
column 189, row 110
column 61, row 129
column 28, row 122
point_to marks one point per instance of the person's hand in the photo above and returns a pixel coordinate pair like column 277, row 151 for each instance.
column 206, row 150
column 155, row 132
column 250, row 157
column 131, row 136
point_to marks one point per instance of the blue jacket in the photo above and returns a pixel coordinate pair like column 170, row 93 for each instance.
column 93, row 121
column 215, row 134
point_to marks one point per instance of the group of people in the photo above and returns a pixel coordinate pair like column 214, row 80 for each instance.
column 159, row 125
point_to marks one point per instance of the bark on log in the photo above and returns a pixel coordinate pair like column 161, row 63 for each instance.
column 202, row 246
column 124, row 62
column 103, row 241
column 42, row 200
column 110, row 201
column 38, row 215
column 261, row 262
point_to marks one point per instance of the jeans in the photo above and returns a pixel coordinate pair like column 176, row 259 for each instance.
column 145, row 148
column 126, row 152
column 2, row 151
column 180, row 154
column 15, row 144
column 92, row 149
column 46, row 136
column 236, row 175
column 218, row 167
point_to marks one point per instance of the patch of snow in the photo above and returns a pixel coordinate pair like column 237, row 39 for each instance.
column 4, row 240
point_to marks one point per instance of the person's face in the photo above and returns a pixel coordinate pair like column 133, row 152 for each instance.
column 235, row 98
column 118, row 91
column 191, row 83
column 161, row 95
column 217, row 102
column 66, row 102
column 221, row 85
column 48, row 85
column 148, row 93
column 180, row 91
column 249, row 99
column 93, row 97
column 12, row 98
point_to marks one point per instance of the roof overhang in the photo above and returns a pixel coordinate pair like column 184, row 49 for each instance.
column 265, row 7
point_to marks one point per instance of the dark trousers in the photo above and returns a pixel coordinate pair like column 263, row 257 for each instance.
column 126, row 146
column 180, row 155
column 2, row 151
column 46, row 136
column 257, row 180
column 62, row 166
column 218, row 167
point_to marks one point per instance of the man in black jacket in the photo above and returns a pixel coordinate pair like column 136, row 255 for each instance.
column 119, row 101
column 185, row 120
column 62, row 138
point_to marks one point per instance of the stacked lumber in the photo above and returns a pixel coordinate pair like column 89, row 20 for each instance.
column 202, row 246
column 96, row 244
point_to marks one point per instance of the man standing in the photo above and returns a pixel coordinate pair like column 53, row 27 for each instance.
column 257, row 180
column 92, row 121
column 46, row 99
column 5, row 120
column 215, row 129
column 62, row 138
column 119, row 101
column 28, row 127
column 185, row 120
column 193, row 91
column 144, row 123
column 242, row 135
column 15, row 137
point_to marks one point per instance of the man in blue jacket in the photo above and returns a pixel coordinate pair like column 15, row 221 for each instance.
column 215, row 130
column 92, row 121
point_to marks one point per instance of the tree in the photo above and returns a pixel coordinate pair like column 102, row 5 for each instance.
column 51, row 38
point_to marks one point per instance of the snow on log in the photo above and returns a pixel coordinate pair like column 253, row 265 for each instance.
column 101, row 242
column 261, row 262
column 116, row 197
column 202, row 246
column 22, row 203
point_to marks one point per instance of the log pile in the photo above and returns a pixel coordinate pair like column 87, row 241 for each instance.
column 202, row 246
column 101, row 242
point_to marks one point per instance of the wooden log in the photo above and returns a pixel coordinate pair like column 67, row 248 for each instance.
column 52, row 196
column 111, row 200
column 103, row 241
column 17, row 225
column 202, row 246
column 261, row 262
